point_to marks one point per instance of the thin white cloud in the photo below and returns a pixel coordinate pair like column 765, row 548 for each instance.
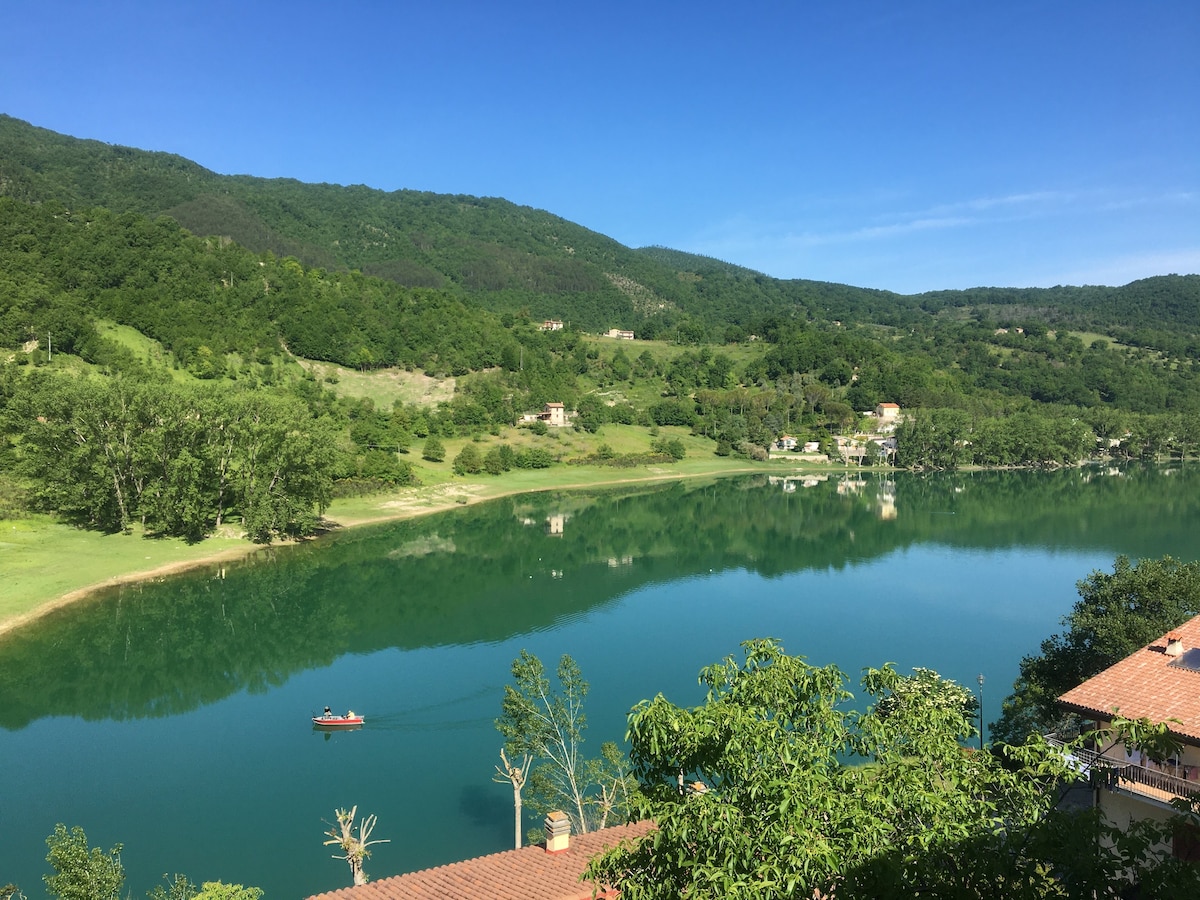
column 978, row 211
column 901, row 228
column 961, row 214
column 743, row 231
column 1124, row 269
column 1174, row 198
column 1040, row 199
column 1029, row 238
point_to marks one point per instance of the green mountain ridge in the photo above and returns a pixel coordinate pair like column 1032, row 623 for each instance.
column 521, row 256
column 510, row 258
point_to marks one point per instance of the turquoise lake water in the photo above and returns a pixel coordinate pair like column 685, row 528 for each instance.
column 173, row 717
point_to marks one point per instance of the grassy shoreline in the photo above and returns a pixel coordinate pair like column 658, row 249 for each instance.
column 48, row 565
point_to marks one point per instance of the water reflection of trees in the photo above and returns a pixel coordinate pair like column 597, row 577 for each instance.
column 492, row 571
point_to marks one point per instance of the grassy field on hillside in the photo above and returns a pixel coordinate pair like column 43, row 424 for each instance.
column 45, row 561
column 565, row 444
column 384, row 387
column 47, row 564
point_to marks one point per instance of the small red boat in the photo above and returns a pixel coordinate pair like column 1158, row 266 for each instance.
column 329, row 720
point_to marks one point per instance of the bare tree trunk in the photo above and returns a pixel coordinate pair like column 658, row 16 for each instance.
column 354, row 846
column 516, row 774
column 516, row 816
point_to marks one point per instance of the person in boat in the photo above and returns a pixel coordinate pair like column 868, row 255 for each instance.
column 328, row 714
column 349, row 714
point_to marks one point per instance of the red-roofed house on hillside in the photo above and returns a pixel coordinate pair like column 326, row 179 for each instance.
column 552, row 871
column 1160, row 682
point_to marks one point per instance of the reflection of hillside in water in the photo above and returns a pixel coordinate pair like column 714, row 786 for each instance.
column 512, row 566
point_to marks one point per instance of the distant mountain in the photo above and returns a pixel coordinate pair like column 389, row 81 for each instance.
column 509, row 258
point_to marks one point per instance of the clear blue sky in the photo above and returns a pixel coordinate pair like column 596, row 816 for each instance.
column 902, row 145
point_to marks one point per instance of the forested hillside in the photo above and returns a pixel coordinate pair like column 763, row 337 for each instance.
column 228, row 280
column 512, row 258
column 204, row 298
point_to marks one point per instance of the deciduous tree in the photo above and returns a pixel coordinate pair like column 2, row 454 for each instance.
column 219, row 890
column 434, row 450
column 779, row 786
column 468, row 461
column 80, row 872
column 548, row 724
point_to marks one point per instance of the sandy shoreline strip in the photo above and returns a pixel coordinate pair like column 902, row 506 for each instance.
column 402, row 510
column 15, row 622
column 395, row 508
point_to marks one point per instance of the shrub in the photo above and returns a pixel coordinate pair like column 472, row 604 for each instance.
column 381, row 465
column 673, row 412
column 434, row 450
column 673, row 448
column 753, row 451
column 468, row 461
column 493, row 462
column 534, row 458
column 622, row 414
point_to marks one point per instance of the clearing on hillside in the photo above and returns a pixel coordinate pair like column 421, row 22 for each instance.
column 383, row 386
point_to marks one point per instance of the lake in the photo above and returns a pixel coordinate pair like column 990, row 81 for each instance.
column 173, row 716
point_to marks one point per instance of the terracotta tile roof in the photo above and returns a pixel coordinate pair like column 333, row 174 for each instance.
column 526, row 874
column 1144, row 684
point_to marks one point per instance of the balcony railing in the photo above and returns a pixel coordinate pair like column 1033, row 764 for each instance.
column 1132, row 777
column 1160, row 782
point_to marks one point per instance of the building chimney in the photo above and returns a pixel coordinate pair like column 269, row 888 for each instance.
column 1174, row 645
column 558, row 832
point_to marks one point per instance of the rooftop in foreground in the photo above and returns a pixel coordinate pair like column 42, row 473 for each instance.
column 531, row 873
column 1156, row 682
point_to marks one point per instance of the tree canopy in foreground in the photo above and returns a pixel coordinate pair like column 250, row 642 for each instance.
column 783, row 784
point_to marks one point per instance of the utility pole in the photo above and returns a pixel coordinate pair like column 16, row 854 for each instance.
column 979, row 678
